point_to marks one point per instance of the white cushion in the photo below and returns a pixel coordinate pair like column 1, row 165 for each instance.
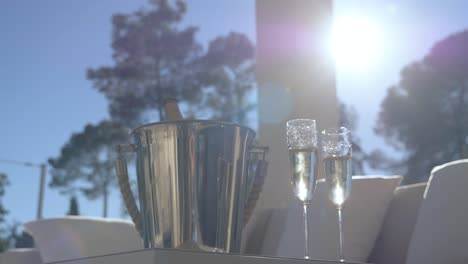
column 75, row 237
column 362, row 218
column 441, row 232
column 21, row 256
column 392, row 243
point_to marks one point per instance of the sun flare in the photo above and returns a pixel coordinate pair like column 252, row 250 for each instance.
column 355, row 42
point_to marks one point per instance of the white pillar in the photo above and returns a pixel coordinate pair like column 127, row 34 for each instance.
column 296, row 79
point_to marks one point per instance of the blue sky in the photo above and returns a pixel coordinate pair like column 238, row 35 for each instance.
column 46, row 47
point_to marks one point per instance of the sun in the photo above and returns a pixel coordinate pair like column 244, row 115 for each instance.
column 355, row 43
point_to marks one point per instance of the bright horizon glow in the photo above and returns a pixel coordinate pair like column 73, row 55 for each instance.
column 355, row 43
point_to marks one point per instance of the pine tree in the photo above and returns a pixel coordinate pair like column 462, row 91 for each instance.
column 74, row 208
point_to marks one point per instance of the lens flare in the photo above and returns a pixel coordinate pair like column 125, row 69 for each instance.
column 355, row 42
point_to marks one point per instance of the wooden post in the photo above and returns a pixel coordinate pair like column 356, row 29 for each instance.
column 40, row 200
column 296, row 79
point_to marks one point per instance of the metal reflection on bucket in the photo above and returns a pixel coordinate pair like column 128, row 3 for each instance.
column 193, row 182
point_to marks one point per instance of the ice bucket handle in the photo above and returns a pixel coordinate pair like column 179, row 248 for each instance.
column 127, row 194
column 255, row 182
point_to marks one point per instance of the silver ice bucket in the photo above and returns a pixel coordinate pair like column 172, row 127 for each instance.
column 193, row 183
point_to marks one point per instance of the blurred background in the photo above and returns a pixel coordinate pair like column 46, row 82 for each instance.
column 75, row 77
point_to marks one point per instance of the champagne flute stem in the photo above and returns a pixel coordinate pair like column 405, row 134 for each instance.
column 306, row 232
column 340, row 226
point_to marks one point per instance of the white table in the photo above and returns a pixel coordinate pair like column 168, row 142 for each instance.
column 168, row 256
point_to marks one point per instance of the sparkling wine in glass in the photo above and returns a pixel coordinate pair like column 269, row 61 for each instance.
column 337, row 153
column 303, row 155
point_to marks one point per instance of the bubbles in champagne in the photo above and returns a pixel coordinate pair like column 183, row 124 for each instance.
column 338, row 176
column 303, row 171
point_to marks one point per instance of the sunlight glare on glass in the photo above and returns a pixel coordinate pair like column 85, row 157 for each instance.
column 355, row 42
column 302, row 192
column 338, row 195
column 301, row 187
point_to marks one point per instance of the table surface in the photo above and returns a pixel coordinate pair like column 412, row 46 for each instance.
column 171, row 256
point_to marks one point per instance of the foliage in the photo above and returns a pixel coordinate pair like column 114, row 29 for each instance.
column 228, row 68
column 9, row 232
column 3, row 183
column 348, row 118
column 20, row 240
column 88, row 159
column 154, row 59
column 24, row 240
column 425, row 114
column 74, row 208
column 4, row 242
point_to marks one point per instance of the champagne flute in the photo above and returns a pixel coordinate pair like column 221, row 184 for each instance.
column 303, row 155
column 337, row 153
